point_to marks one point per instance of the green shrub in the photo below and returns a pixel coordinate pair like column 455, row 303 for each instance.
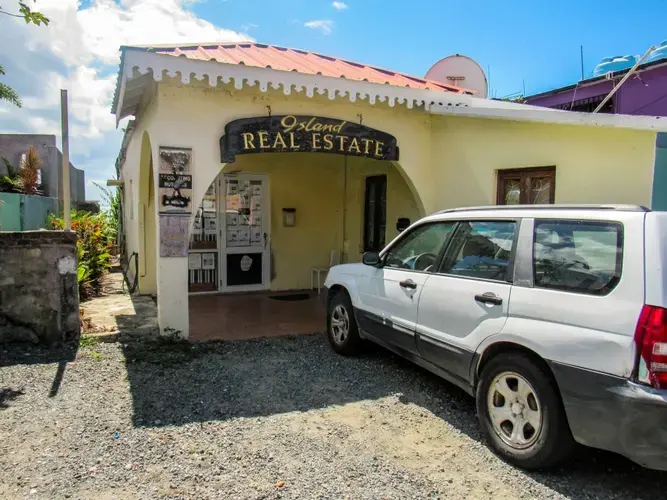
column 111, row 198
column 95, row 239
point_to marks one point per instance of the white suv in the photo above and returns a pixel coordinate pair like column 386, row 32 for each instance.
column 554, row 317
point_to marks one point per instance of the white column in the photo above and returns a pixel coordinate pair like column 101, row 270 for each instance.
column 172, row 289
column 172, row 276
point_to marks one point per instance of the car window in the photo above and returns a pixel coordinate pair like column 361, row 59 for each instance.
column 419, row 249
column 480, row 249
column 578, row 256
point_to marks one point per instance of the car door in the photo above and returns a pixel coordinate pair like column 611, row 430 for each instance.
column 467, row 299
column 389, row 298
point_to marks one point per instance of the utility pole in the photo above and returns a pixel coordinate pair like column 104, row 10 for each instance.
column 581, row 47
column 64, row 180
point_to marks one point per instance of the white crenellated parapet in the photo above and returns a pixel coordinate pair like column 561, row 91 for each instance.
column 138, row 63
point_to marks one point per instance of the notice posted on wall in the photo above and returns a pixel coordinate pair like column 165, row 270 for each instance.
column 175, row 180
column 208, row 261
column 174, row 238
column 194, row 261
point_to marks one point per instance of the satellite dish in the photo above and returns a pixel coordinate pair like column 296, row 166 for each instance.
column 460, row 71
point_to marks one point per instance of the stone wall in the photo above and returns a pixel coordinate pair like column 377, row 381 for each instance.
column 39, row 298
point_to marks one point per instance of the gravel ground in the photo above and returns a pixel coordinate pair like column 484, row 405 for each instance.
column 279, row 418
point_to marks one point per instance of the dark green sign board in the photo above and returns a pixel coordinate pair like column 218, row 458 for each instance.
column 289, row 134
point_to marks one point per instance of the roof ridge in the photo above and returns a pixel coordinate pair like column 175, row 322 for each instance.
column 194, row 45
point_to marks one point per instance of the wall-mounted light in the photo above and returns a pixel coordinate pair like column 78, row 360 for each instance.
column 402, row 224
column 289, row 217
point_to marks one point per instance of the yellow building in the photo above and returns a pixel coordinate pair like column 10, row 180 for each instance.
column 248, row 167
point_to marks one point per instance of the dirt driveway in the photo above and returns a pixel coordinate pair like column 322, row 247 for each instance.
column 280, row 418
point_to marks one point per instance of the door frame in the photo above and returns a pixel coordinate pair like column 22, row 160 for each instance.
column 222, row 234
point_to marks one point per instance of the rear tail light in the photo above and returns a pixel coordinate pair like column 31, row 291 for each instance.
column 651, row 342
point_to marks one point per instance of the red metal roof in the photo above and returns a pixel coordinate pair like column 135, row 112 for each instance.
column 279, row 58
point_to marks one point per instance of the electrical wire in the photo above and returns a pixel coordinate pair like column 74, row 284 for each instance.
column 647, row 104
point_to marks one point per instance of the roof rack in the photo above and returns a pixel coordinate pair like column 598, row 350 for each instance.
column 622, row 208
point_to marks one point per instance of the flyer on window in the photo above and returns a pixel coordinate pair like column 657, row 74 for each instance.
column 194, row 261
column 208, row 261
column 211, row 226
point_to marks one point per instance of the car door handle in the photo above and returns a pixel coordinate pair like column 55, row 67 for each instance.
column 409, row 284
column 489, row 298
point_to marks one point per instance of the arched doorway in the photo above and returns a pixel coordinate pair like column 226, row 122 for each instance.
column 147, row 221
column 332, row 201
column 278, row 207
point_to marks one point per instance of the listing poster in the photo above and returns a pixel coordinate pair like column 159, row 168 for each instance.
column 194, row 261
column 175, row 180
column 210, row 227
column 208, row 261
column 174, row 235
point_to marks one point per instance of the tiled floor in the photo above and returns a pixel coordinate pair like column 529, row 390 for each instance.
column 253, row 315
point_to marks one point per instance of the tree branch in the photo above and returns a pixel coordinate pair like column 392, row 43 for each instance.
column 10, row 14
column 30, row 16
column 9, row 94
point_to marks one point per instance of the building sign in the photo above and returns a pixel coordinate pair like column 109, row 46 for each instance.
column 284, row 134
column 175, row 180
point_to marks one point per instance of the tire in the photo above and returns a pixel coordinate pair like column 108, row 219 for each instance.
column 530, row 391
column 342, row 329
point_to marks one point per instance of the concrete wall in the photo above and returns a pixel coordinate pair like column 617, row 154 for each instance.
column 20, row 212
column 593, row 165
column 137, row 237
column 77, row 182
column 39, row 299
column 12, row 146
column 10, row 212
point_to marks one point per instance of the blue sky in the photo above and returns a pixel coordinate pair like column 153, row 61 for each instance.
column 536, row 42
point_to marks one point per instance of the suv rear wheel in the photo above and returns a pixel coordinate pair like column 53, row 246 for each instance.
column 342, row 327
column 521, row 413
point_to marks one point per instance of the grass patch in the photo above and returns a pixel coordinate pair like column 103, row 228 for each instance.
column 88, row 341
column 95, row 355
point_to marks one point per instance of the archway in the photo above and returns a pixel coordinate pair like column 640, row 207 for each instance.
column 147, row 221
column 320, row 173
column 328, row 196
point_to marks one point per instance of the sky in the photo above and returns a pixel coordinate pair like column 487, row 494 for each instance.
column 532, row 45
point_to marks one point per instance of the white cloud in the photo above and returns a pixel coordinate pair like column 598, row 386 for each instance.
column 339, row 5
column 324, row 25
column 79, row 51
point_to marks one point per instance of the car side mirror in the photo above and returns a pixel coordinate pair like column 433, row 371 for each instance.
column 371, row 259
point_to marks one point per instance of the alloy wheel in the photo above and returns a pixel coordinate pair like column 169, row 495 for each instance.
column 514, row 410
column 340, row 324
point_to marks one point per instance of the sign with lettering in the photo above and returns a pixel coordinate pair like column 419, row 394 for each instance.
column 285, row 134
column 175, row 180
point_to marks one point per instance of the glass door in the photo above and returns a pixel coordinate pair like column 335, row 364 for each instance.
column 203, row 254
column 245, row 242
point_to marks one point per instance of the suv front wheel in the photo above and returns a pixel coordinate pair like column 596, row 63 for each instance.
column 521, row 413
column 342, row 327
